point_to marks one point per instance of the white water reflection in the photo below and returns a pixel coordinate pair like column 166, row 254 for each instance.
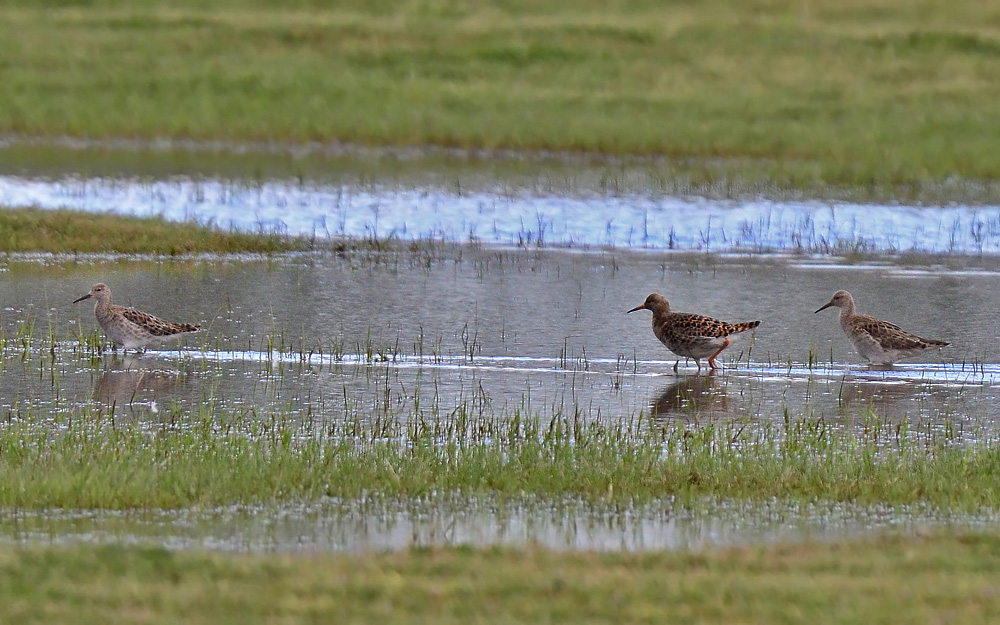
column 361, row 525
column 956, row 373
column 527, row 218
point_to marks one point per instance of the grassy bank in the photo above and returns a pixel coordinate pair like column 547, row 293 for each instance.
column 80, row 232
column 67, row 232
column 85, row 459
column 828, row 92
column 887, row 580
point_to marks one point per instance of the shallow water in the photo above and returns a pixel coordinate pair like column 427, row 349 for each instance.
column 323, row 336
column 527, row 216
column 330, row 338
column 499, row 198
column 359, row 526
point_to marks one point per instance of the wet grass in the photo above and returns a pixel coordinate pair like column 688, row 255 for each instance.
column 81, row 232
column 787, row 94
column 929, row 579
column 70, row 232
column 74, row 457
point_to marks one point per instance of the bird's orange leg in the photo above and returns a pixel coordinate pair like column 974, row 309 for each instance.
column 711, row 359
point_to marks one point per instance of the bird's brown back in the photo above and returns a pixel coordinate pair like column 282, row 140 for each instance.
column 155, row 325
column 690, row 324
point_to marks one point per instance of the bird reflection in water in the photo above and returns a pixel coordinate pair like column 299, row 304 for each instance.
column 691, row 396
column 134, row 380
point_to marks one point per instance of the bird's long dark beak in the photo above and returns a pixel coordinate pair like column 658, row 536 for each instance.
column 824, row 306
column 87, row 296
column 639, row 307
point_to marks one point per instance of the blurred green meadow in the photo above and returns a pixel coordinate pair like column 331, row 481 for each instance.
column 931, row 579
column 799, row 94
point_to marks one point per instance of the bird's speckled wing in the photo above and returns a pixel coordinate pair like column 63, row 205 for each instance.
column 709, row 327
column 155, row 325
column 888, row 336
column 694, row 327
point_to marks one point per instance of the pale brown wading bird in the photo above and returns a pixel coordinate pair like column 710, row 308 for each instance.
column 690, row 335
column 880, row 342
column 131, row 328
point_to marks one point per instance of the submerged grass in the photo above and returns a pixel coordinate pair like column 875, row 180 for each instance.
column 835, row 91
column 84, row 459
column 929, row 579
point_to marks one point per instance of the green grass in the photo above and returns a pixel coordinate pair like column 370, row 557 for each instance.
column 76, row 232
column 82, row 458
column 931, row 579
column 65, row 231
column 849, row 93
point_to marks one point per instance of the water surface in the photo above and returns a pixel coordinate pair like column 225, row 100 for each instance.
column 360, row 526
column 530, row 318
column 527, row 216
column 544, row 331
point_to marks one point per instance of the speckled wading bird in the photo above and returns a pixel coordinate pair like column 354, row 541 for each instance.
column 880, row 342
column 131, row 328
column 690, row 335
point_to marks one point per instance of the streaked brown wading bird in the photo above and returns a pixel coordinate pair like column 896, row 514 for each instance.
column 880, row 342
column 131, row 328
column 690, row 335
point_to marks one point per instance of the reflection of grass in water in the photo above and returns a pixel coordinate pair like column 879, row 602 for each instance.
column 924, row 579
column 82, row 458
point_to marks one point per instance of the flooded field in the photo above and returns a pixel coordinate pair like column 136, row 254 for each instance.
column 528, row 217
column 334, row 340
column 501, row 327
column 546, row 331
column 496, row 199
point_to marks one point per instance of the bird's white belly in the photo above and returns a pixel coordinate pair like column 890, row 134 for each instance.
column 127, row 334
column 702, row 348
column 878, row 355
